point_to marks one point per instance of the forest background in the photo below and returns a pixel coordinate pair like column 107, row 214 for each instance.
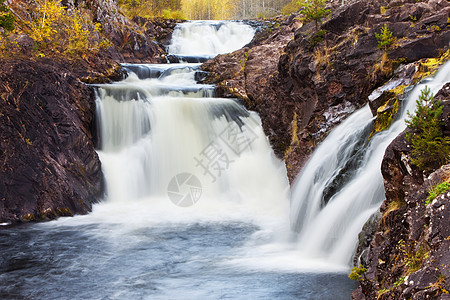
column 208, row 9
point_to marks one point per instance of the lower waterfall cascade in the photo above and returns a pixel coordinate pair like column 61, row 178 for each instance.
column 147, row 140
column 197, row 206
column 159, row 123
column 349, row 166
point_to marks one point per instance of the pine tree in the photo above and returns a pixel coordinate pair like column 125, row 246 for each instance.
column 385, row 38
column 431, row 148
column 314, row 10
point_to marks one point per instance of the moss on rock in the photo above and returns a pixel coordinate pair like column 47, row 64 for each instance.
column 429, row 66
column 387, row 112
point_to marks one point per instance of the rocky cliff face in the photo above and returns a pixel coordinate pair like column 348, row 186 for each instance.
column 134, row 41
column 302, row 91
column 131, row 42
column 409, row 256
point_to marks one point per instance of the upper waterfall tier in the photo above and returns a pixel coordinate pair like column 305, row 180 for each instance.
column 209, row 38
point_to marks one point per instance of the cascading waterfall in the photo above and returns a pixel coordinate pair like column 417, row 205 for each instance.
column 196, row 207
column 159, row 123
column 207, row 39
column 341, row 186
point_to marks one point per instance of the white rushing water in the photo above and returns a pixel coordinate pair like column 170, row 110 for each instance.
column 341, row 186
column 194, row 38
column 159, row 125
column 154, row 129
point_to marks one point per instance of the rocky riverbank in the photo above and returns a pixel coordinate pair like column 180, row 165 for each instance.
column 49, row 166
column 409, row 255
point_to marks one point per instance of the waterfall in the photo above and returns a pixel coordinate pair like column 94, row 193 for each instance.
column 341, row 185
column 173, row 151
column 196, row 41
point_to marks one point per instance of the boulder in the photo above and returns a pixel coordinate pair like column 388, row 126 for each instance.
column 49, row 166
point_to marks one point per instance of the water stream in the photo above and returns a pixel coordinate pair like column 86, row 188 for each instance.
column 341, row 186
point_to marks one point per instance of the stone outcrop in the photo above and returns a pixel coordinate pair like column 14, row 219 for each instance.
column 133, row 41
column 130, row 42
column 158, row 29
column 305, row 89
column 408, row 257
column 49, row 166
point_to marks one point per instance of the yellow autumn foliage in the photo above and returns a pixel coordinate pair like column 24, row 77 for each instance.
column 203, row 9
column 61, row 30
column 207, row 9
column 170, row 9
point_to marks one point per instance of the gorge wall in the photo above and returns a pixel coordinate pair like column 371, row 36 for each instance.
column 408, row 257
column 49, row 166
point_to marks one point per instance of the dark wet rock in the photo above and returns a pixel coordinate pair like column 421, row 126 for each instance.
column 403, row 76
column 444, row 96
column 49, row 166
column 422, row 47
column 174, row 59
column 380, row 101
column 361, row 256
column 409, row 254
column 158, row 29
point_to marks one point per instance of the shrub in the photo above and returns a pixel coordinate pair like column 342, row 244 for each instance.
column 318, row 37
column 430, row 149
column 357, row 272
column 314, row 10
column 60, row 30
column 9, row 47
column 6, row 17
column 172, row 14
column 385, row 38
column 290, row 8
column 145, row 8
